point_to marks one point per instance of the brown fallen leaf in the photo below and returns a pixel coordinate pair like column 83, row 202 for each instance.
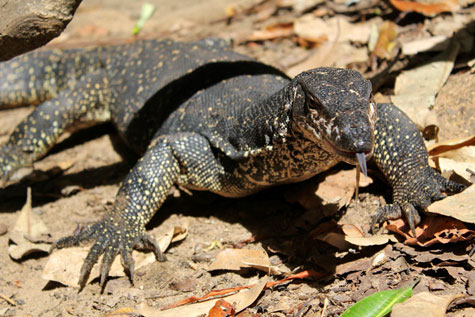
column 454, row 155
column 432, row 230
column 236, row 259
column 64, row 265
column 450, row 145
column 244, row 298
column 330, row 54
column 176, row 233
column 272, row 32
column 460, row 206
column 336, row 29
column 424, row 304
column 222, row 308
column 386, row 41
column 351, row 230
column 378, row 239
column 415, row 89
column 430, row 44
column 222, row 292
column 334, row 188
column 28, row 228
column 335, row 239
column 354, row 236
column 427, row 9
column 362, row 264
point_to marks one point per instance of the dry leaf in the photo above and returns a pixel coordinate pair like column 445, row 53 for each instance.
column 335, row 188
column 241, row 300
column 362, row 264
column 450, row 145
column 64, row 265
column 386, row 40
column 428, row 9
column 415, row 89
column 354, row 236
column 337, row 29
column 433, row 230
column 459, row 206
column 232, row 290
column 28, row 227
column 339, row 187
column 351, row 230
column 222, row 309
column 424, row 304
column 236, row 259
column 335, row 239
column 272, row 32
column 379, row 239
column 454, row 155
column 175, row 234
column 331, row 54
column 434, row 43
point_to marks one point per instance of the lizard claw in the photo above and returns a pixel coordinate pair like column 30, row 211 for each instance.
column 110, row 240
column 408, row 203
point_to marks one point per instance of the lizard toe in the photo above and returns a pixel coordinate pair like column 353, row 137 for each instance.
column 94, row 253
column 412, row 217
column 110, row 252
column 387, row 212
column 86, row 235
column 149, row 243
column 447, row 184
column 128, row 263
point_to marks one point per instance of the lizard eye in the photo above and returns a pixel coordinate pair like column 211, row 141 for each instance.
column 372, row 109
column 313, row 102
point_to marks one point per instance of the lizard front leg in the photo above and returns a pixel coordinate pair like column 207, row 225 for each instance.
column 141, row 194
column 401, row 155
column 183, row 158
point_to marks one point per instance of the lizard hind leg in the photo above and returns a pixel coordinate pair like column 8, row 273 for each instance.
column 41, row 129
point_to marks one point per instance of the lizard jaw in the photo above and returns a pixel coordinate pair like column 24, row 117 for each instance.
column 350, row 157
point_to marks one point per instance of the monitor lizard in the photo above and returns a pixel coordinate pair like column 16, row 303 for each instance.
column 207, row 118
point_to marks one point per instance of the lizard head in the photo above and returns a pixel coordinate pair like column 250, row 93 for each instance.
column 334, row 107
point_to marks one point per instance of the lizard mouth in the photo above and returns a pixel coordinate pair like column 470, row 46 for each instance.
column 355, row 158
column 351, row 157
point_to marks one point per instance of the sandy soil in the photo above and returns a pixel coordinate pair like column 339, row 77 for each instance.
column 82, row 194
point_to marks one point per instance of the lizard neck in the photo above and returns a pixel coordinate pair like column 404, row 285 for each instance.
column 270, row 119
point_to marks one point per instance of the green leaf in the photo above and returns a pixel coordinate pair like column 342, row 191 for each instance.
column 379, row 304
column 147, row 12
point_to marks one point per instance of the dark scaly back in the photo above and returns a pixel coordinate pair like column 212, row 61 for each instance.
column 159, row 76
column 33, row 78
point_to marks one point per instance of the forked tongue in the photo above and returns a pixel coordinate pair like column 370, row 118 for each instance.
column 360, row 167
column 362, row 161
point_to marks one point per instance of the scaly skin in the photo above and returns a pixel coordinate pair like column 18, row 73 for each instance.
column 206, row 118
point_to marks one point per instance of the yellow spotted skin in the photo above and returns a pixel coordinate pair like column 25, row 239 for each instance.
column 206, row 118
column 401, row 155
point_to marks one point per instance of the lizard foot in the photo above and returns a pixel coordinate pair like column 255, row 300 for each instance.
column 407, row 202
column 110, row 240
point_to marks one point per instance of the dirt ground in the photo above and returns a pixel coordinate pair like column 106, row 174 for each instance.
column 279, row 221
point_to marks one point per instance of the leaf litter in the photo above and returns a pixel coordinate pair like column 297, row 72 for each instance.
column 287, row 25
